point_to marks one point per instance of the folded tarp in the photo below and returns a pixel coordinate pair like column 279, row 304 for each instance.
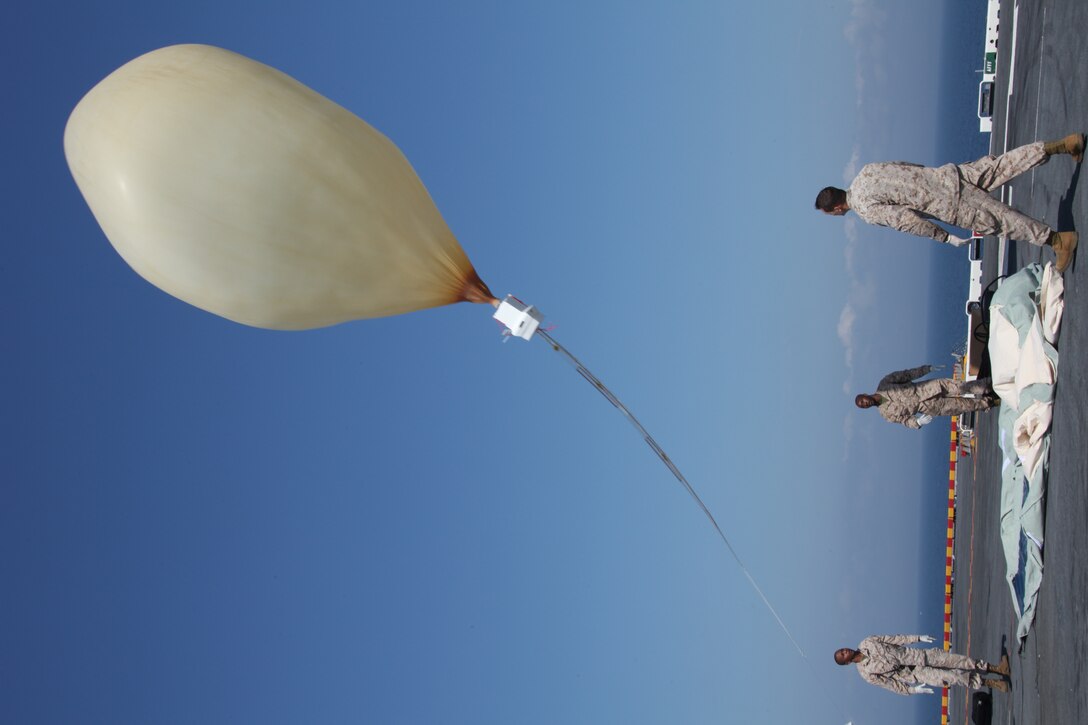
column 1025, row 317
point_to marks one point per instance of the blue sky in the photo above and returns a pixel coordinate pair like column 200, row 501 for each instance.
column 404, row 520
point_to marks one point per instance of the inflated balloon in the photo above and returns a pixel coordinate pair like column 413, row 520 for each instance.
column 241, row 191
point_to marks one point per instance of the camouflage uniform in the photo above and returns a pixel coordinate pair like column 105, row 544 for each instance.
column 906, row 196
column 901, row 398
column 894, row 667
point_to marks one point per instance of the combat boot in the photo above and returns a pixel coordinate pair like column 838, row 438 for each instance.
column 999, row 685
column 1002, row 667
column 1064, row 244
column 1073, row 144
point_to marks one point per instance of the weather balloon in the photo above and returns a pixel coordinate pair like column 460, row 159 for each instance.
column 237, row 189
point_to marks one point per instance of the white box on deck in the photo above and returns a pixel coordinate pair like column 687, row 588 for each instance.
column 521, row 319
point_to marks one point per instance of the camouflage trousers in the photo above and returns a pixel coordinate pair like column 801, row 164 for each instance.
column 951, row 403
column 945, row 669
column 984, row 214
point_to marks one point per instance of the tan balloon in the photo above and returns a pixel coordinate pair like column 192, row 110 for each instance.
column 236, row 188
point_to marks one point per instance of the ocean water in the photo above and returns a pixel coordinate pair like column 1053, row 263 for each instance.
column 959, row 140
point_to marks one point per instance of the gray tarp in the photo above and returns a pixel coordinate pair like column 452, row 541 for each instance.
column 1025, row 317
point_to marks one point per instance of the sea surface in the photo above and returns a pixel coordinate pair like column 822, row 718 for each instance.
column 959, row 140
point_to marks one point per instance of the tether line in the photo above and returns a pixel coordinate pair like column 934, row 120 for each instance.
column 657, row 449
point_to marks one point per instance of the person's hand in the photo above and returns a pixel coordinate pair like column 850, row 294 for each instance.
column 924, row 419
column 926, row 638
column 957, row 241
column 921, row 690
column 936, row 367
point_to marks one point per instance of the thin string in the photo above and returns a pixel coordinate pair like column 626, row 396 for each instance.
column 610, row 396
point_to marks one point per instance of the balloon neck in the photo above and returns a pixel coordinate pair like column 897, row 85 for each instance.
column 474, row 290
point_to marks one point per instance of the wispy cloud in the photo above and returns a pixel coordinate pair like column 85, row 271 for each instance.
column 848, row 433
column 865, row 30
column 852, row 166
column 850, row 251
column 860, row 300
column 845, row 330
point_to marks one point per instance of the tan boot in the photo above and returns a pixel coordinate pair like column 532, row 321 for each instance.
column 999, row 685
column 1073, row 144
column 1064, row 244
column 1002, row 667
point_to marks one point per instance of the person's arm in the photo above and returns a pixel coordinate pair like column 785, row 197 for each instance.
column 905, row 219
column 899, row 639
column 904, row 376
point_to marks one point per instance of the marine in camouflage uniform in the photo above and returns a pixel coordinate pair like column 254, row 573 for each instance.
column 907, row 197
column 899, row 398
column 885, row 661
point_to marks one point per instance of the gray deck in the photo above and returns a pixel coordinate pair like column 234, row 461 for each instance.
column 1050, row 99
